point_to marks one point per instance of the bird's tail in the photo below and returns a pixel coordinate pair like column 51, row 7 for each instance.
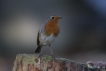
column 38, row 49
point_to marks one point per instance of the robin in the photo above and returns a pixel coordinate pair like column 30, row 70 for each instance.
column 47, row 33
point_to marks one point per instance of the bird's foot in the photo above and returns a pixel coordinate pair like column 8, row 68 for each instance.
column 53, row 56
column 39, row 55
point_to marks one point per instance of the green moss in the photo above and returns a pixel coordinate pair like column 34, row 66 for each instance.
column 62, row 59
column 47, row 58
column 28, row 59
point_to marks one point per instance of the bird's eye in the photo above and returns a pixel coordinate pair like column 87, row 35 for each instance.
column 52, row 17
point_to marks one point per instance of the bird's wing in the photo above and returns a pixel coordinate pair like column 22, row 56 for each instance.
column 40, row 31
column 38, row 39
column 43, row 26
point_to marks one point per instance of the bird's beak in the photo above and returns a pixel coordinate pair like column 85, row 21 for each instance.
column 60, row 17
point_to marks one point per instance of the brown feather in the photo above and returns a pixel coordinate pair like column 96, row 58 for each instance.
column 52, row 27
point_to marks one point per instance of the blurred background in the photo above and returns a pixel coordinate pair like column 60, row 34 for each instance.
column 82, row 29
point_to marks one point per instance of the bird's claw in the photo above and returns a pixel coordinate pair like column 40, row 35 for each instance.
column 53, row 56
column 39, row 55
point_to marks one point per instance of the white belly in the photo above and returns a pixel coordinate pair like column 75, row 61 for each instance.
column 46, row 40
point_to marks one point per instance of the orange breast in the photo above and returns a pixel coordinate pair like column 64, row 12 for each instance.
column 52, row 28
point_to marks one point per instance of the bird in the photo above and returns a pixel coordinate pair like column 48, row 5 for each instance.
column 47, row 33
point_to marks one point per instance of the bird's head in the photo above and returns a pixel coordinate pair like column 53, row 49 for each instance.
column 54, row 18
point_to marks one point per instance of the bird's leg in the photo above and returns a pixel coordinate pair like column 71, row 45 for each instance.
column 51, row 51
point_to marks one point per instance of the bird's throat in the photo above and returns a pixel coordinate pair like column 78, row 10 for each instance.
column 52, row 28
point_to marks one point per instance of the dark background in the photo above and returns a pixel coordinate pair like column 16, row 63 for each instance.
column 82, row 29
